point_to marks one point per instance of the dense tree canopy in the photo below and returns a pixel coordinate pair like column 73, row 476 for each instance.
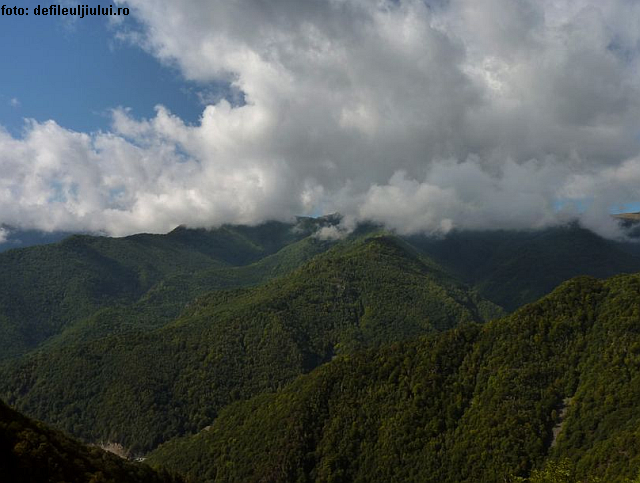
column 141, row 388
column 287, row 357
column 475, row 403
column 34, row 453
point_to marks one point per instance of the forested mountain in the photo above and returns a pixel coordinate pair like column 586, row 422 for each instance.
column 141, row 339
column 143, row 387
column 475, row 403
column 512, row 268
column 33, row 453
column 45, row 289
column 87, row 287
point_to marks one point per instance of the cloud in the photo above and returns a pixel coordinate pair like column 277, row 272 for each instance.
column 14, row 102
column 421, row 115
column 336, row 232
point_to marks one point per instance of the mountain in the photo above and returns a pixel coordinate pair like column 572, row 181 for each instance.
column 141, row 339
column 88, row 287
column 11, row 238
column 512, row 268
column 46, row 289
column 558, row 380
column 33, row 453
column 143, row 387
column 630, row 224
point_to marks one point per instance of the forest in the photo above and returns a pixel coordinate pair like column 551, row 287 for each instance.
column 268, row 353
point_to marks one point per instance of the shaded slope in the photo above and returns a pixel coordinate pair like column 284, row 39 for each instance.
column 512, row 268
column 32, row 453
column 142, row 388
column 477, row 403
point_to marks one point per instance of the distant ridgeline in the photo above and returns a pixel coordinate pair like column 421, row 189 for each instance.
column 11, row 238
column 138, row 340
column 631, row 222
column 628, row 216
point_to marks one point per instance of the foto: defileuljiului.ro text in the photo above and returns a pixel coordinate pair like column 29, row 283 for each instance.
column 80, row 11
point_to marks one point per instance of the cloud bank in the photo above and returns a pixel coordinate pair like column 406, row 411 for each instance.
column 422, row 115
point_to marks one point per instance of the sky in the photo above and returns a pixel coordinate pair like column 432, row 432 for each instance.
column 422, row 115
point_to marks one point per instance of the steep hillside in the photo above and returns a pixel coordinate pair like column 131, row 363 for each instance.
column 166, row 300
column 32, row 453
column 476, row 403
column 141, row 388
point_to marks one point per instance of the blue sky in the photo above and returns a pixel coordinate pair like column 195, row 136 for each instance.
column 75, row 71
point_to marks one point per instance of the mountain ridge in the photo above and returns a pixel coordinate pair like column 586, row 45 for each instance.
column 235, row 343
column 160, row 334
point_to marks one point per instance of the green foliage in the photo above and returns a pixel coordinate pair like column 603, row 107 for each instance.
column 87, row 287
column 93, row 285
column 512, row 268
column 140, row 339
column 141, row 388
column 31, row 452
column 475, row 403
column 556, row 471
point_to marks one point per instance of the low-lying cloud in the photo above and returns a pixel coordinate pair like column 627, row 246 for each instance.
column 422, row 115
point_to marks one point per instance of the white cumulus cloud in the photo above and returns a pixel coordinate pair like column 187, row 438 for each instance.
column 423, row 115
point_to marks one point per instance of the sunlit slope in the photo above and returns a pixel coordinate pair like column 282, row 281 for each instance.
column 170, row 296
column 476, row 403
